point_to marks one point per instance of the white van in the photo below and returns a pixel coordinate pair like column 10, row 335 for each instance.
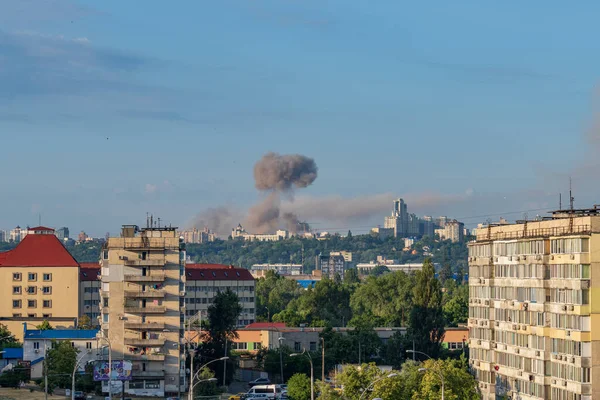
column 272, row 391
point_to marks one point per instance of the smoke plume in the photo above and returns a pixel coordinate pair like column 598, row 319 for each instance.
column 278, row 175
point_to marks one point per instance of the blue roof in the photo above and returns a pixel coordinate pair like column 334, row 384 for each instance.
column 13, row 353
column 62, row 334
column 306, row 283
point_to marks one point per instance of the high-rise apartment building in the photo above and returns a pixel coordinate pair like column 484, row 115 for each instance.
column 62, row 233
column 534, row 319
column 453, row 230
column 143, row 284
column 18, row 234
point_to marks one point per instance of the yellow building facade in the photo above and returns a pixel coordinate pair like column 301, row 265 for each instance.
column 534, row 308
column 40, row 281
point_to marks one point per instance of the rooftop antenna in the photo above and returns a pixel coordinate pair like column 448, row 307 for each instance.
column 560, row 202
column 159, row 222
column 147, row 220
column 571, row 198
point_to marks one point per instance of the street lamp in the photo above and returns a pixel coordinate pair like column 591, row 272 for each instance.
column 193, row 376
column 280, row 339
column 312, row 378
column 419, row 352
column 439, row 374
column 393, row 374
column 74, row 372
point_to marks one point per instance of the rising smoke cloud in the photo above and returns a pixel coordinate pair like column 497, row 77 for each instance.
column 277, row 175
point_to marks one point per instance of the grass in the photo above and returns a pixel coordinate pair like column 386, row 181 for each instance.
column 21, row 394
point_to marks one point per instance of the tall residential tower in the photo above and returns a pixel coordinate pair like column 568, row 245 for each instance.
column 143, row 289
column 534, row 308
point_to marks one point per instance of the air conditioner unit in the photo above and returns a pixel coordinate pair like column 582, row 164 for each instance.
column 572, row 256
column 537, row 353
column 477, row 363
column 568, row 333
column 520, row 373
column 565, row 383
column 479, row 342
column 538, row 257
column 554, row 381
column 181, row 294
column 571, row 308
column 494, row 345
column 564, row 308
column 496, row 259
column 510, row 258
column 573, row 360
column 517, row 351
column 512, row 303
column 121, row 318
column 552, row 257
column 172, row 378
column 487, row 302
column 518, row 258
column 36, row 351
column 497, row 323
column 555, row 356
column 524, row 327
column 524, row 257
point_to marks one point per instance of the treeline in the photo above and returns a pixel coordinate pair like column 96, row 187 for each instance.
column 364, row 248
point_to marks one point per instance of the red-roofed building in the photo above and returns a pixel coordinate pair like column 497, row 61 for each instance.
column 204, row 281
column 89, row 291
column 41, row 282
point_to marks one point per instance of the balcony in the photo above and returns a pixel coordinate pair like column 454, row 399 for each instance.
column 144, row 342
column 147, row 374
column 146, row 326
column 146, row 357
column 146, row 310
column 149, row 294
column 155, row 277
column 137, row 262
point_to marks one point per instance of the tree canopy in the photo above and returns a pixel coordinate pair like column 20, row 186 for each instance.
column 299, row 387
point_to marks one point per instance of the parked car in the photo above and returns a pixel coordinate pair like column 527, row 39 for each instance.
column 256, row 396
column 239, row 396
column 79, row 395
column 259, row 381
column 283, row 386
column 284, row 395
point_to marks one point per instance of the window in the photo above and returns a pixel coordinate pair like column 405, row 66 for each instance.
column 16, row 276
column 31, row 289
column 47, row 303
column 31, row 303
column 32, row 276
column 88, row 345
column 105, row 257
column 30, row 315
column 152, row 384
column 16, row 315
column 47, row 289
column 297, row 346
column 46, row 315
column 313, row 346
column 105, row 318
column 36, row 345
column 47, row 277
column 105, row 302
column 16, row 303
column 257, row 345
column 16, row 289
column 136, row 384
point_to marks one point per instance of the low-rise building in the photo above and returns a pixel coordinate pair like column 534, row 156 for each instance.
column 366, row 268
column 240, row 233
column 330, row 265
column 36, row 343
column 197, row 236
column 260, row 270
column 204, row 281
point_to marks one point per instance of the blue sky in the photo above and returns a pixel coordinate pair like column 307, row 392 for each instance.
column 111, row 109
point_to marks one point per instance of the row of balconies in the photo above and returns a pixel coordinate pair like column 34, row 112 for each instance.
column 153, row 277
column 138, row 342
column 147, row 326
column 532, row 258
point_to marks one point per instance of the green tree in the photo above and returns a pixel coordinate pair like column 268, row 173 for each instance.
column 356, row 380
column 456, row 308
column 85, row 382
column 222, row 320
column 326, row 392
column 445, row 273
column 84, row 322
column 379, row 270
column 427, row 323
column 61, row 360
column 44, row 326
column 458, row 383
column 299, row 387
column 273, row 294
column 351, row 277
column 7, row 339
column 203, row 387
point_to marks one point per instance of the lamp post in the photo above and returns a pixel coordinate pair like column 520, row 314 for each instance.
column 73, row 376
column 439, row 374
column 323, row 360
column 419, row 352
column 191, row 391
column 393, row 374
column 280, row 339
column 312, row 373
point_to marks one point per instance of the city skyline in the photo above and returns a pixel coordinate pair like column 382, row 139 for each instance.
column 393, row 99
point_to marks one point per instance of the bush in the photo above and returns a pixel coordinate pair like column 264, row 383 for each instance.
column 299, row 387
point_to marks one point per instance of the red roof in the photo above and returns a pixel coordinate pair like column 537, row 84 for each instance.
column 266, row 325
column 38, row 251
column 216, row 272
column 89, row 271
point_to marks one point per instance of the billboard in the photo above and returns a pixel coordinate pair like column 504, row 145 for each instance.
column 121, row 371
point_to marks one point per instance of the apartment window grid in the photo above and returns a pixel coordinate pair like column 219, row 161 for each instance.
column 16, row 303
column 47, row 289
column 16, row 289
column 47, row 277
column 17, row 276
column 31, row 303
column 31, row 289
column 47, row 304
column 32, row 276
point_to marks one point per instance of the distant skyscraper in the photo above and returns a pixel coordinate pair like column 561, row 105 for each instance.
column 18, row 234
column 62, row 233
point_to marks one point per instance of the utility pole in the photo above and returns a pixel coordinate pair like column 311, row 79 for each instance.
column 323, row 360
column 225, row 364
column 46, row 373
